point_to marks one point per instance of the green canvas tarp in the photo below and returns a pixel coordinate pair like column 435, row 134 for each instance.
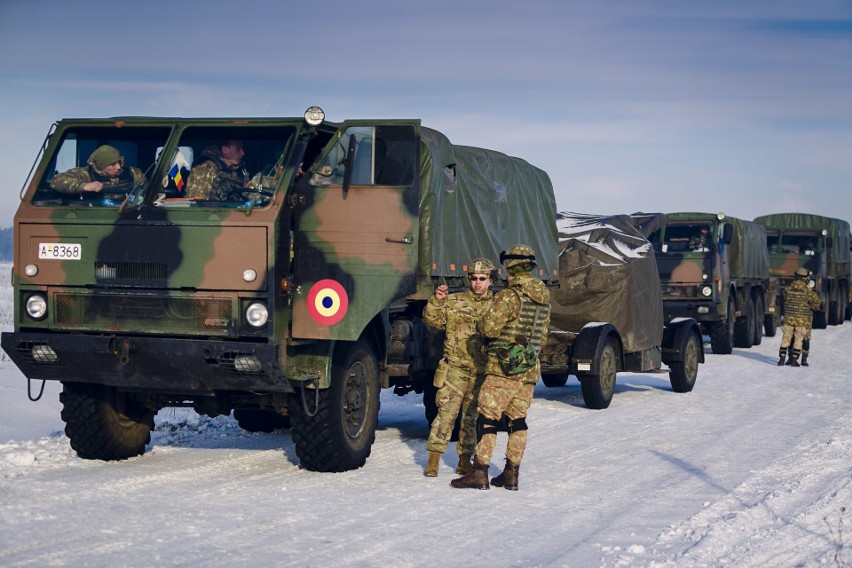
column 477, row 203
column 607, row 273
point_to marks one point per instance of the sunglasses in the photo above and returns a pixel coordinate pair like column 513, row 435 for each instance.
column 478, row 278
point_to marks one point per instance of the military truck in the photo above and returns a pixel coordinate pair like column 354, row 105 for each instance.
column 293, row 299
column 819, row 244
column 607, row 315
column 715, row 269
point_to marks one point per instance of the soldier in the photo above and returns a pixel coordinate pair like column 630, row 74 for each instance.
column 462, row 370
column 104, row 170
column 218, row 173
column 799, row 303
column 517, row 324
column 698, row 242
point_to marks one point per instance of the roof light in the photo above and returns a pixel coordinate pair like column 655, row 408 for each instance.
column 314, row 116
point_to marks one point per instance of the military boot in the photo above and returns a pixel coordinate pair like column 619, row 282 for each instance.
column 781, row 356
column 805, row 359
column 465, row 464
column 794, row 358
column 431, row 469
column 476, row 479
column 509, row 478
column 789, row 356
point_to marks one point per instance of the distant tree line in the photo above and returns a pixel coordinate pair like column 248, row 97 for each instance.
column 6, row 244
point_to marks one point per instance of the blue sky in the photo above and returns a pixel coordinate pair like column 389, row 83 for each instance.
column 742, row 107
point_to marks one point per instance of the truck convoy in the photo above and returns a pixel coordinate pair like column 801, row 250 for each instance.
column 819, row 244
column 715, row 268
column 295, row 299
column 607, row 315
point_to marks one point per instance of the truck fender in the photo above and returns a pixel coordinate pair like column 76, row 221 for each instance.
column 586, row 351
column 675, row 335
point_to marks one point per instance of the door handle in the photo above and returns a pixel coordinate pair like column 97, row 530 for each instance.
column 403, row 240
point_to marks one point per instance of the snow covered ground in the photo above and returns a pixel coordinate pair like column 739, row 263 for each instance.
column 752, row 468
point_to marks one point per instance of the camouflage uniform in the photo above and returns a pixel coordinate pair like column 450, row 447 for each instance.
column 74, row 179
column 799, row 303
column 518, row 313
column 214, row 179
column 461, row 371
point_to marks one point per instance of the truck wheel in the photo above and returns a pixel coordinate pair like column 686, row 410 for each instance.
column 682, row 374
column 554, row 381
column 341, row 432
column 744, row 327
column 819, row 319
column 598, row 389
column 104, row 424
column 722, row 334
column 430, row 392
column 834, row 314
column 758, row 320
column 255, row 420
column 770, row 322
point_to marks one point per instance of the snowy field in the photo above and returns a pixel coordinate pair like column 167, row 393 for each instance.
column 752, row 468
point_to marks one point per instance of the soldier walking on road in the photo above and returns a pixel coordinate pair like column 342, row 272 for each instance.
column 517, row 325
column 462, row 369
column 799, row 303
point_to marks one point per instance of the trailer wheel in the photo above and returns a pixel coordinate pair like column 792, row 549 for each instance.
column 340, row 433
column 770, row 322
column 683, row 374
column 104, row 424
column 744, row 327
column 722, row 333
column 598, row 389
column 758, row 320
column 256, row 420
column 555, row 380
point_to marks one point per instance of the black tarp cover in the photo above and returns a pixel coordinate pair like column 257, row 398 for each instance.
column 607, row 273
column 476, row 203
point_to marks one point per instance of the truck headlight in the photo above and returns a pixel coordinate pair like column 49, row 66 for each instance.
column 37, row 307
column 706, row 291
column 257, row 315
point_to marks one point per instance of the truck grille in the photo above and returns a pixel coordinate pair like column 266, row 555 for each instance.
column 144, row 274
column 122, row 313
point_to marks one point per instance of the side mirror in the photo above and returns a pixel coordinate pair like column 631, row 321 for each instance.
column 829, row 242
column 728, row 233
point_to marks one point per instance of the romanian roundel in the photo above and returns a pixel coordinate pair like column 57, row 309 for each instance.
column 327, row 302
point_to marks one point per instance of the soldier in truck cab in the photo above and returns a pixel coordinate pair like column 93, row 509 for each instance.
column 698, row 241
column 218, row 173
column 104, row 170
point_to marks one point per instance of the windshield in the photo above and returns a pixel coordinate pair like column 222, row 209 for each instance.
column 688, row 238
column 97, row 166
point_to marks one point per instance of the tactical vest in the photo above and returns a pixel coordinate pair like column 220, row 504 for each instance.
column 227, row 179
column 124, row 183
column 528, row 325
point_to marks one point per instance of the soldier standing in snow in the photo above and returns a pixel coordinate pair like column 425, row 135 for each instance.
column 517, row 325
column 461, row 371
column 799, row 303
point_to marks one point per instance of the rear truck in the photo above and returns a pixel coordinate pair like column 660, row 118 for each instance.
column 607, row 315
column 290, row 302
column 715, row 268
column 819, row 244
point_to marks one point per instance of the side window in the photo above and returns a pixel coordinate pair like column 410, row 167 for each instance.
column 384, row 155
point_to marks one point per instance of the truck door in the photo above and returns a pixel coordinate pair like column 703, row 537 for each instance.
column 356, row 230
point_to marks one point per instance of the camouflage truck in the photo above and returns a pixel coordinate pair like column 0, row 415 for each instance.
column 607, row 315
column 290, row 301
column 819, row 244
column 715, row 269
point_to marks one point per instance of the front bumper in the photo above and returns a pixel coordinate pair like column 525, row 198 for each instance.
column 704, row 312
column 162, row 364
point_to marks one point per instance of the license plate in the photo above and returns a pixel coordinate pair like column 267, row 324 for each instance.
column 60, row 251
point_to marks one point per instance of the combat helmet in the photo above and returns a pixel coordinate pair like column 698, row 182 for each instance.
column 802, row 272
column 480, row 266
column 518, row 255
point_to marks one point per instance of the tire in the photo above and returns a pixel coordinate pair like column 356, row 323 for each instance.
column 683, row 374
column 555, row 381
column 339, row 434
column 104, row 424
column 255, row 420
column 744, row 327
column 758, row 320
column 722, row 333
column 819, row 319
column 598, row 389
column 770, row 322
column 430, row 393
